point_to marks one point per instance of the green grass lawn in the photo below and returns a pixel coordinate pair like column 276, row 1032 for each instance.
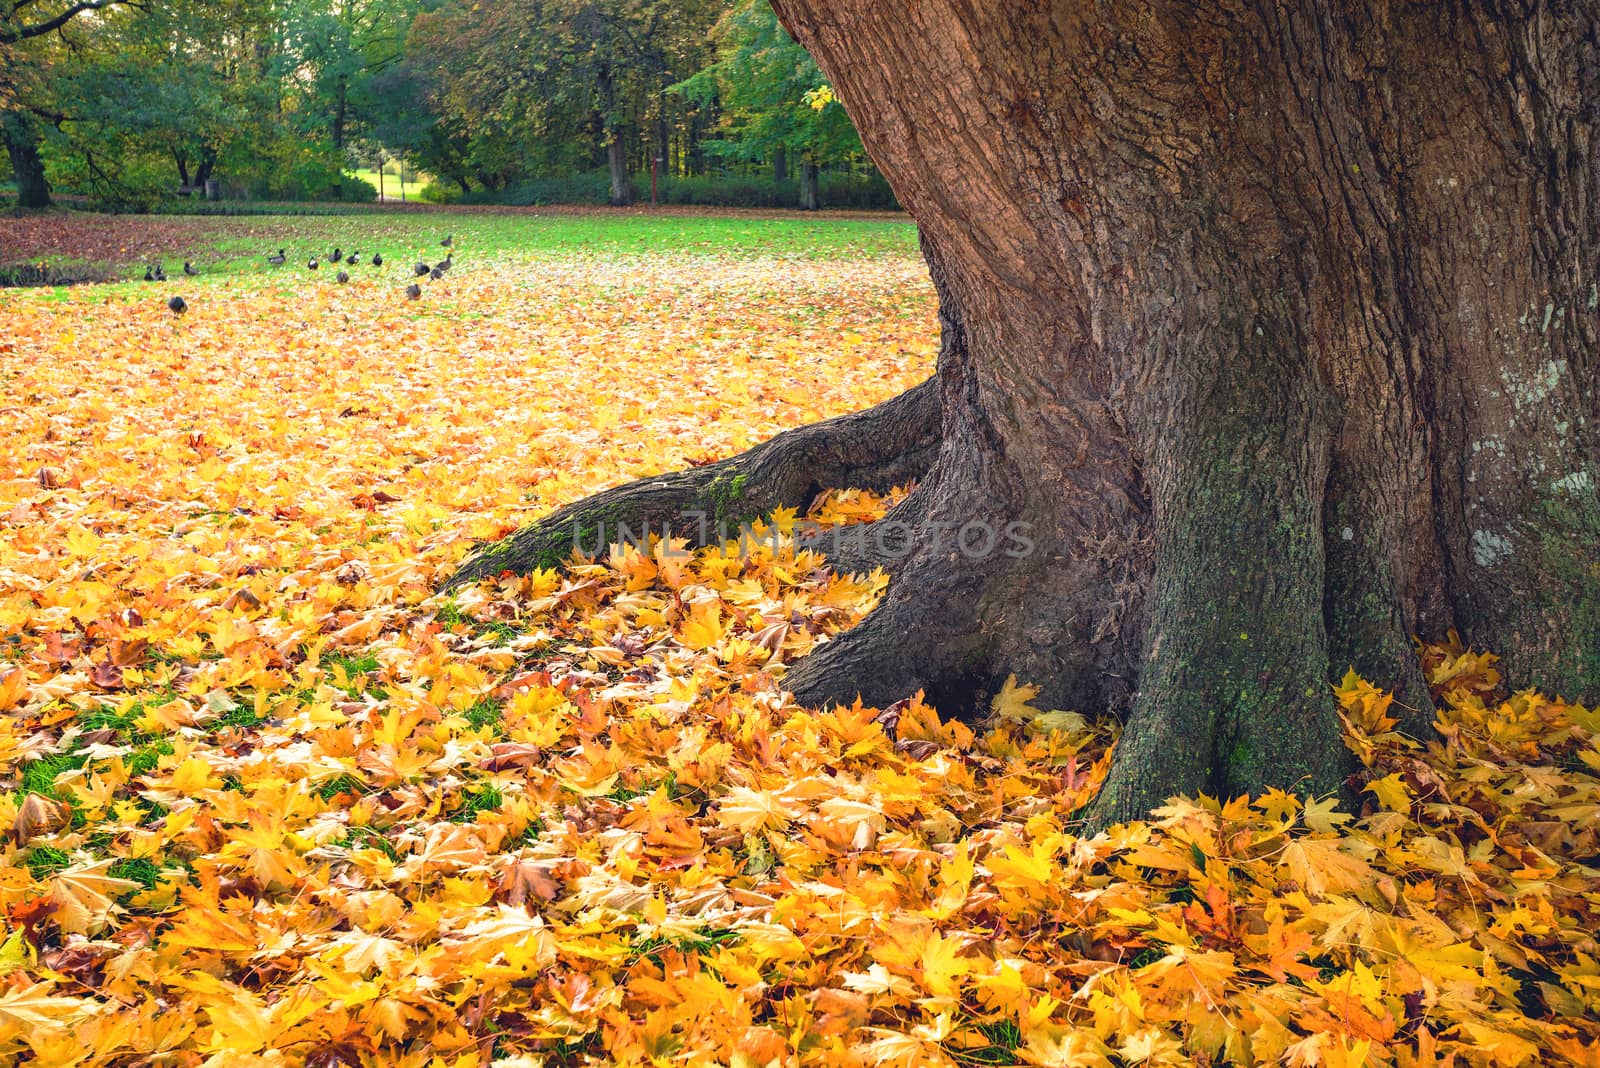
column 391, row 185
column 231, row 245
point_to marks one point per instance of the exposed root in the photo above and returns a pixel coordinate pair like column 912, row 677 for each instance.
column 877, row 449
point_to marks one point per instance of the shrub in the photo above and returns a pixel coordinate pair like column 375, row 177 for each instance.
column 717, row 190
column 439, row 193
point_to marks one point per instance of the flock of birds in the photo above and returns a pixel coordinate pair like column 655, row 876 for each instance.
column 420, row 270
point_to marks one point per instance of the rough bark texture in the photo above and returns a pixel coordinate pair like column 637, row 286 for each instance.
column 1273, row 325
column 1287, row 309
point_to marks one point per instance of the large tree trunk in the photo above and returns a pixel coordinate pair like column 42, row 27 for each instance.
column 1273, row 329
column 20, row 131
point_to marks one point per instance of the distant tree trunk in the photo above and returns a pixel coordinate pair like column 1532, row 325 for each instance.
column 810, row 186
column 1271, row 338
column 208, row 164
column 20, row 131
column 183, row 169
column 341, row 102
column 622, row 193
column 780, row 164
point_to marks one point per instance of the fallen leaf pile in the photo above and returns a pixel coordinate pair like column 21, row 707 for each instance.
column 271, row 801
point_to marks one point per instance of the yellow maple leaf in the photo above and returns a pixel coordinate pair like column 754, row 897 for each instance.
column 1392, row 792
column 83, row 893
column 1011, row 703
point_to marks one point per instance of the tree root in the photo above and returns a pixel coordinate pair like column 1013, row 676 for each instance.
column 877, row 449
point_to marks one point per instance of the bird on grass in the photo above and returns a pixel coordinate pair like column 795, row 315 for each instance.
column 377, row 259
column 161, row 273
column 421, row 269
column 342, row 277
column 354, row 259
column 446, row 263
column 413, row 292
column 449, row 239
column 178, row 305
column 149, row 273
column 313, row 263
column 338, row 255
column 278, row 259
column 436, row 274
column 190, row 269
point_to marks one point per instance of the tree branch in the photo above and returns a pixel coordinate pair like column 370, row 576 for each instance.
column 50, row 25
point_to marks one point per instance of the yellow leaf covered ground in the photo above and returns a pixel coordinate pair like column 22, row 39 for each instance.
column 271, row 801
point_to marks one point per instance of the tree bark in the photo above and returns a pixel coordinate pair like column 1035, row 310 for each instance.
column 341, row 103
column 20, row 131
column 622, row 193
column 208, row 165
column 780, row 164
column 1272, row 330
column 810, row 186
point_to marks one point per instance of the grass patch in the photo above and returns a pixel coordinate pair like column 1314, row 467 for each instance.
column 625, row 793
column 367, row 838
column 144, row 760
column 341, row 784
column 107, row 718
column 485, row 713
column 356, row 671
column 1147, row 956
column 1005, row 1038
column 704, row 940
column 39, row 777
column 241, row 716
column 231, row 239
column 45, row 861
column 141, row 870
column 486, row 798
column 365, row 664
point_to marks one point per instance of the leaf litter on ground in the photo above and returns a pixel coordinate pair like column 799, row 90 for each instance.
column 272, row 800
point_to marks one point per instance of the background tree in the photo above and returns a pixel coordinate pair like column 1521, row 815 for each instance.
column 154, row 98
column 133, row 102
column 774, row 100
column 26, row 31
column 1275, row 325
column 569, row 72
column 342, row 47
